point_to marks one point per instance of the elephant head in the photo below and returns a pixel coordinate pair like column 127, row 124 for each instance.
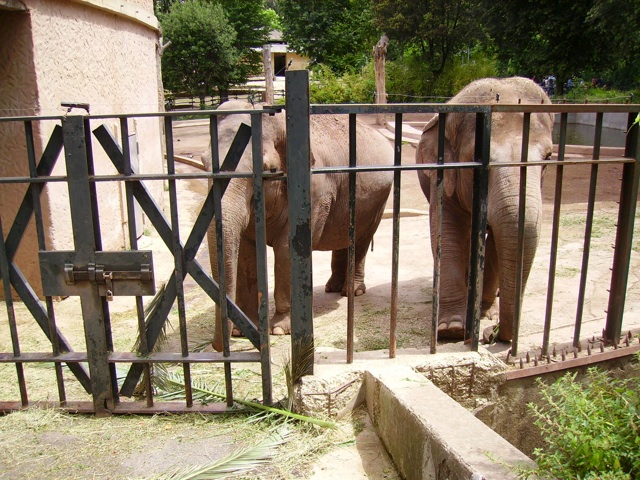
column 503, row 199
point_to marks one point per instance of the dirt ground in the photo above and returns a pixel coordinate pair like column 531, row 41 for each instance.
column 178, row 443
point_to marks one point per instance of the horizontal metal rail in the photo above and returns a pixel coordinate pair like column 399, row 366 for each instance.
column 132, row 357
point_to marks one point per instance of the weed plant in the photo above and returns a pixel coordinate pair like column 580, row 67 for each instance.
column 592, row 428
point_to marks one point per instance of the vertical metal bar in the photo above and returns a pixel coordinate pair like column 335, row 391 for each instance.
column 299, row 192
column 178, row 259
column 143, row 348
column 478, row 229
column 553, row 254
column 517, row 303
column 261, row 256
column 97, row 235
column 74, row 140
column 37, row 210
column 624, row 234
column 435, row 315
column 587, row 229
column 351, row 270
column 395, row 254
column 222, row 299
column 13, row 329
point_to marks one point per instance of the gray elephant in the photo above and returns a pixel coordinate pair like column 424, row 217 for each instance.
column 329, row 204
column 503, row 200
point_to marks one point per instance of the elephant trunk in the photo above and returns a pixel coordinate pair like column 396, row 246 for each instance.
column 503, row 219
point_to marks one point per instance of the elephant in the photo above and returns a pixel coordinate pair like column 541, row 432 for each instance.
column 502, row 202
column 329, row 146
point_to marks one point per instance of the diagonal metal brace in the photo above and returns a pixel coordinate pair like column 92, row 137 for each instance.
column 18, row 281
column 198, row 232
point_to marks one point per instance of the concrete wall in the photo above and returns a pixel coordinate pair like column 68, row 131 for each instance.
column 617, row 121
column 98, row 52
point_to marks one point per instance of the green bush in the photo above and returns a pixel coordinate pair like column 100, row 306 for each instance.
column 462, row 72
column 592, row 428
column 580, row 94
column 352, row 87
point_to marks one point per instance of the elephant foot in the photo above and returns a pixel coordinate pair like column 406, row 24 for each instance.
column 236, row 332
column 334, row 285
column 491, row 335
column 491, row 313
column 357, row 291
column 451, row 328
column 280, row 324
column 338, row 285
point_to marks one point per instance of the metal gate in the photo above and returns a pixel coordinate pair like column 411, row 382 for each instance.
column 97, row 276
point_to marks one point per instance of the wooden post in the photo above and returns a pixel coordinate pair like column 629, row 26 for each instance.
column 379, row 54
column 268, row 75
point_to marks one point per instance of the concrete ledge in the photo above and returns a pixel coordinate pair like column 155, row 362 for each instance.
column 429, row 435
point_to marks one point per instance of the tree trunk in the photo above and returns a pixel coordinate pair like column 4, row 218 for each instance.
column 268, row 96
column 379, row 54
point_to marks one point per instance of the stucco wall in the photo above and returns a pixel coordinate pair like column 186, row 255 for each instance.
column 76, row 51
column 18, row 97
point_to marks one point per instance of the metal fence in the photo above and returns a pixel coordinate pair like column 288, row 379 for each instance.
column 97, row 276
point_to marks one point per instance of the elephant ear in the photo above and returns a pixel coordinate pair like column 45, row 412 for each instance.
column 427, row 152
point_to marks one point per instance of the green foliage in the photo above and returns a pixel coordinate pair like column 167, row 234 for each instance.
column 566, row 38
column 202, row 57
column 252, row 22
column 412, row 80
column 337, row 33
column 433, row 30
column 327, row 87
column 592, row 428
column 597, row 95
column 409, row 80
column 463, row 71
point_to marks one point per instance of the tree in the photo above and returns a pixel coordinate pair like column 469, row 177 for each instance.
column 434, row 30
column 565, row 37
column 618, row 49
column 338, row 33
column 201, row 58
column 252, row 22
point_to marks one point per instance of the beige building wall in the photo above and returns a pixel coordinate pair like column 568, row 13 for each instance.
column 96, row 52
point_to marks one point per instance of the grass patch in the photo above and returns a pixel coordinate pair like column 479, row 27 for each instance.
column 46, row 443
column 567, row 272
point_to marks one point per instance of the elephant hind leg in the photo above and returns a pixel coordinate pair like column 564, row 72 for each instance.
column 336, row 282
column 339, row 269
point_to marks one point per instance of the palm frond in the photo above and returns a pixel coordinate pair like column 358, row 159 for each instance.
column 149, row 311
column 293, row 373
column 242, row 460
column 174, row 390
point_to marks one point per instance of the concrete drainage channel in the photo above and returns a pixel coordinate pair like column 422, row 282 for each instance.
column 427, row 433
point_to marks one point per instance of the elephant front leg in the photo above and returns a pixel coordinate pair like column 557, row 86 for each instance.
column 455, row 245
column 280, row 323
column 247, row 284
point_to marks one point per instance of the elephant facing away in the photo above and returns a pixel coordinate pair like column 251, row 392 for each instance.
column 502, row 205
column 329, row 204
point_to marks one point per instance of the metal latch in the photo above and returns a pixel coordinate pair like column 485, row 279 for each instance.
column 113, row 273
